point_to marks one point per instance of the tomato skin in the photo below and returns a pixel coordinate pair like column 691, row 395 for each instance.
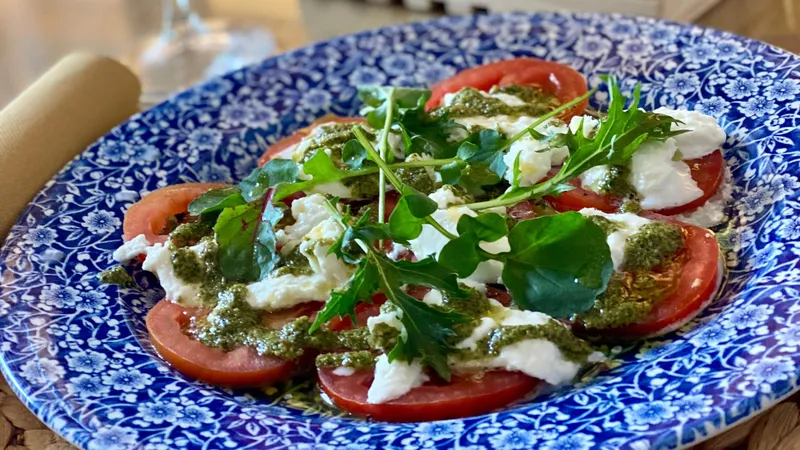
column 462, row 397
column 553, row 78
column 240, row 367
column 149, row 215
column 695, row 287
column 363, row 312
column 297, row 136
column 708, row 172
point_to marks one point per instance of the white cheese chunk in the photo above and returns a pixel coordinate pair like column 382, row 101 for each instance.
column 308, row 212
column 390, row 316
column 159, row 261
column 131, row 249
column 344, row 371
column 535, row 160
column 431, row 242
column 704, row 136
column 446, row 196
column 589, row 124
column 329, row 272
column 538, row 358
column 712, row 213
column 433, row 298
column 660, row 181
column 394, row 379
column 628, row 225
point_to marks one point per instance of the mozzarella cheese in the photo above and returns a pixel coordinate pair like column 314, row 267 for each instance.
column 628, row 223
column 131, row 249
column 433, row 298
column 712, row 213
column 329, row 272
column 308, row 212
column 391, row 317
column 446, row 196
column 159, row 261
column 431, row 242
column 538, row 358
column 704, row 134
column 394, row 379
column 660, row 181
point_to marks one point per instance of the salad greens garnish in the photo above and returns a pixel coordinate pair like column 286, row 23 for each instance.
column 555, row 264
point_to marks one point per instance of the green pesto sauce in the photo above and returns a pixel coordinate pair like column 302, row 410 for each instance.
column 608, row 226
column 333, row 137
column 188, row 267
column 295, row 263
column 470, row 102
column 573, row 348
column 191, row 233
column 630, row 205
column 652, row 245
column 357, row 360
column 615, row 182
column 233, row 323
column 475, row 305
column 418, row 178
column 116, row 275
column 365, row 186
column 628, row 299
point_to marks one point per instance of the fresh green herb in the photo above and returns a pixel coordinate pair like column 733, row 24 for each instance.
column 275, row 172
column 116, row 275
column 557, row 264
column 618, row 136
column 247, row 241
column 215, row 200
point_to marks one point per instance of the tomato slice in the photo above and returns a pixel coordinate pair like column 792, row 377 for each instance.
column 239, row 367
column 149, row 215
column 695, row 287
column 298, row 136
column 708, row 172
column 553, row 78
column 463, row 396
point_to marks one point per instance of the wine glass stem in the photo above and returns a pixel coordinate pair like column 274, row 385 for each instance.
column 179, row 20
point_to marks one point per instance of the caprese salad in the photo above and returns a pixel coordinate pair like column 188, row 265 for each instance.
column 446, row 253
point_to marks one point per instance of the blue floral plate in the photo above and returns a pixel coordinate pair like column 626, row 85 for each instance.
column 77, row 353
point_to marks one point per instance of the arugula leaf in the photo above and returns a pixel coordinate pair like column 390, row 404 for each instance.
column 276, row 171
column 215, row 200
column 427, row 328
column 615, row 140
column 342, row 303
column 402, row 98
column 246, row 241
column 451, row 172
column 410, row 212
column 487, row 227
column 558, row 264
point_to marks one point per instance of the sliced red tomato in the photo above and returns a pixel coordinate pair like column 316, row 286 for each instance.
column 552, row 78
column 166, row 323
column 695, row 277
column 149, row 215
column 298, row 136
column 363, row 312
column 463, row 396
column 708, row 172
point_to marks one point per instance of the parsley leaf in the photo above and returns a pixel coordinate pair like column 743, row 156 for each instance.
column 558, row 264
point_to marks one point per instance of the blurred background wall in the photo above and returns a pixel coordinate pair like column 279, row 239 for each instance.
column 36, row 33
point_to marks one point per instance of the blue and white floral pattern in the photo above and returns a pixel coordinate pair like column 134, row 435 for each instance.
column 78, row 355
